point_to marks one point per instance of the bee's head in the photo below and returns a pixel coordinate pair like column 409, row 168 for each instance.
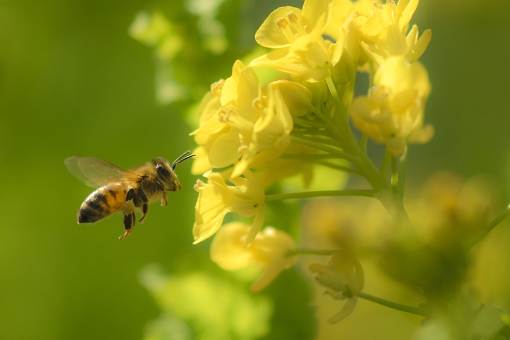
column 166, row 172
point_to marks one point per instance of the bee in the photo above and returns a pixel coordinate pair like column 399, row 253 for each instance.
column 123, row 190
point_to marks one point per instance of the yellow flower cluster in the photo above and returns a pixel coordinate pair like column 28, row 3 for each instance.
column 392, row 113
column 252, row 134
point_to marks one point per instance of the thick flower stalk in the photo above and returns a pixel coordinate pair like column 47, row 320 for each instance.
column 268, row 251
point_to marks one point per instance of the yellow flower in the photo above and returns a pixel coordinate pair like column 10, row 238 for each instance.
column 383, row 32
column 210, row 129
column 343, row 279
column 297, row 37
column 244, row 125
column 271, row 133
column 342, row 29
column 216, row 199
column 228, row 117
column 268, row 251
column 393, row 111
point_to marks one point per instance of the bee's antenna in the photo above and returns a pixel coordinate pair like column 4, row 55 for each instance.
column 182, row 157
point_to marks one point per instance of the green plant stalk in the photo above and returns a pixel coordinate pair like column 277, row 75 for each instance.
column 328, row 121
column 488, row 228
column 325, row 193
column 328, row 149
column 349, row 144
column 308, row 157
column 394, row 305
column 394, row 177
column 367, row 168
column 336, row 97
column 338, row 167
column 385, row 163
column 363, row 142
column 305, row 122
column 402, row 175
column 319, row 140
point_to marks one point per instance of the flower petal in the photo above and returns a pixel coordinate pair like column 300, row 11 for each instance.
column 200, row 161
column 316, row 13
column 205, row 230
column 347, row 309
column 420, row 46
column 256, row 226
column 224, row 150
column 229, row 90
column 269, row 35
column 297, row 97
column 226, row 248
column 407, row 8
column 270, row 273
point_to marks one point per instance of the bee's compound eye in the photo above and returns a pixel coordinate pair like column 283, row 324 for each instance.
column 162, row 172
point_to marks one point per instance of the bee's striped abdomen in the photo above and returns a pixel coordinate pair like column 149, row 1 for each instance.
column 101, row 203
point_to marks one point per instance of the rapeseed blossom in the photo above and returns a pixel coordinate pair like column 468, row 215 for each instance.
column 252, row 135
column 392, row 113
column 383, row 32
column 216, row 199
column 343, row 279
column 268, row 251
column 296, row 36
column 256, row 130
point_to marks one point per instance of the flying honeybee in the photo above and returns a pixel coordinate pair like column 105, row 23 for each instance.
column 123, row 190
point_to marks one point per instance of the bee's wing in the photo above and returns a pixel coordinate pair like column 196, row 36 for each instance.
column 96, row 172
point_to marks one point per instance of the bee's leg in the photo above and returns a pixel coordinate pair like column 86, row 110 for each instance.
column 145, row 204
column 164, row 202
column 129, row 223
column 129, row 213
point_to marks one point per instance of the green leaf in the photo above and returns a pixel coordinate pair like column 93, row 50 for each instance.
column 212, row 307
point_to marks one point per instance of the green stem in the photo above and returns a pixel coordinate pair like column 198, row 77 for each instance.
column 313, row 131
column 307, row 157
column 339, row 167
column 363, row 142
column 334, row 94
column 325, row 193
column 321, row 159
column 402, row 175
column 489, row 228
column 310, row 252
column 385, row 164
column 307, row 122
column 328, row 122
column 315, row 139
column 394, row 305
column 327, row 149
column 394, row 176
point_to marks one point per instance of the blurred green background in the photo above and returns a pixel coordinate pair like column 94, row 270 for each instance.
column 72, row 82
